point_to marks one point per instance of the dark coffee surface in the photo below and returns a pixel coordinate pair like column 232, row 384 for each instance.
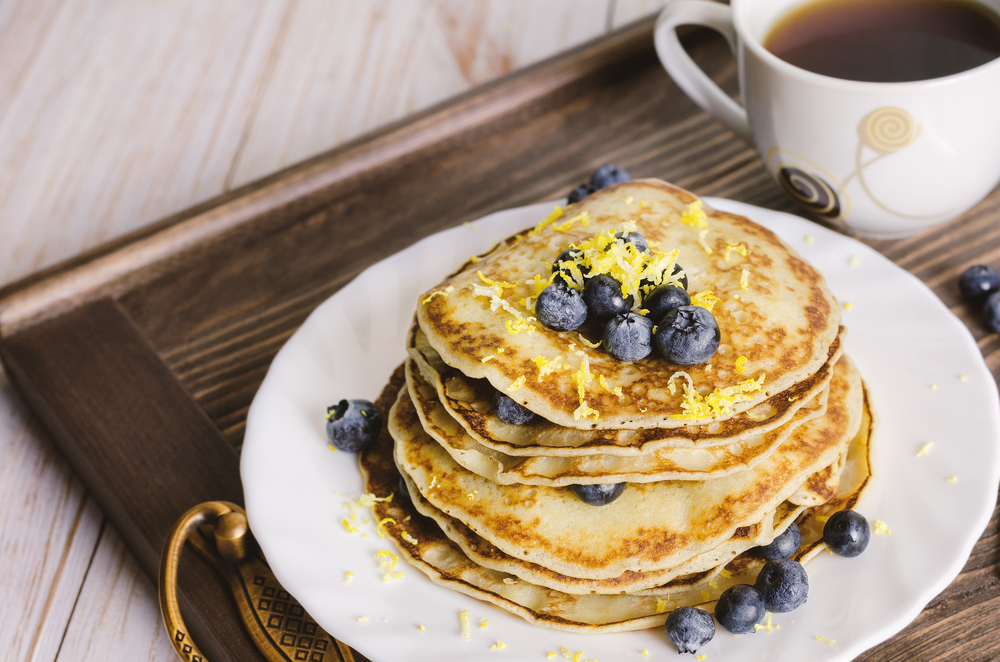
column 887, row 41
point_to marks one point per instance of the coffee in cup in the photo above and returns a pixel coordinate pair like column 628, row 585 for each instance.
column 875, row 115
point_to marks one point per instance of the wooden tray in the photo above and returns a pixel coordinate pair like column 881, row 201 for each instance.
column 141, row 358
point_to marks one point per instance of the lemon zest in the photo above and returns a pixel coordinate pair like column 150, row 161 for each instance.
column 509, row 581
column 387, row 577
column 408, row 538
column 824, row 640
column 878, row 526
column 925, row 449
column 695, row 216
column 463, row 619
column 546, row 367
column 614, row 391
column 661, row 605
column 588, row 343
column 489, row 358
column 520, row 325
column 739, row 248
column 584, row 411
column 485, row 621
column 549, row 220
column 350, row 529
column 740, row 365
column 516, row 384
column 381, row 523
column 703, row 243
column 644, row 651
column 725, row 573
column 719, row 402
column 348, row 576
column 745, row 280
column 706, row 299
column 421, row 628
column 580, row 218
column 953, row 479
column 386, row 559
column 474, row 260
column 363, row 619
column 498, row 646
column 445, row 292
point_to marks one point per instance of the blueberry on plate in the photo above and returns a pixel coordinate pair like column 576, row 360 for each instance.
column 635, row 239
column 663, row 298
column 510, row 412
column 784, row 546
column 607, row 175
column 784, row 585
column 647, row 285
column 690, row 628
column 687, row 335
column 598, row 495
column 739, row 609
column 560, row 307
column 579, row 193
column 603, row 296
column 628, row 337
column 847, row 533
column 353, row 425
column 569, row 255
column 991, row 311
column 978, row 282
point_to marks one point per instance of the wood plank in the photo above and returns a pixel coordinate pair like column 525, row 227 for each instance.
column 143, row 447
column 147, row 150
column 116, row 598
column 347, row 68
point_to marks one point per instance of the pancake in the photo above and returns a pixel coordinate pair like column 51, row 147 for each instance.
column 469, row 402
column 783, row 321
column 426, row 548
column 694, row 573
column 650, row 527
column 664, row 464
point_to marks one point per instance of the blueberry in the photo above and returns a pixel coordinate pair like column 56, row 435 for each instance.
column 978, row 282
column 847, row 533
column 784, row 546
column 647, row 285
column 690, row 628
column 991, row 311
column 663, row 298
column 628, row 337
column 561, row 308
column 607, row 175
column 569, row 255
column 579, row 193
column 598, row 495
column 603, row 296
column 784, row 585
column 678, row 269
column 635, row 239
column 687, row 335
column 739, row 609
column 353, row 425
column 509, row 411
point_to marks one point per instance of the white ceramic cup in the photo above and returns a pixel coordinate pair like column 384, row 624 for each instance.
column 881, row 160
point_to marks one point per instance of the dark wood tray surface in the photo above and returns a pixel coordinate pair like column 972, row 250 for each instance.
column 141, row 358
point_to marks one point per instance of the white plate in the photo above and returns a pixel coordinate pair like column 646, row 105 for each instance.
column 928, row 383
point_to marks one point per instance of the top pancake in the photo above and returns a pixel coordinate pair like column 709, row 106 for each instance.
column 783, row 322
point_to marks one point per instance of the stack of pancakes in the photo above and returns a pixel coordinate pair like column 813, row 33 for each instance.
column 717, row 459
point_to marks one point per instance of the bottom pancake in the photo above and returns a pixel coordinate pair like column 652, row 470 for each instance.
column 426, row 547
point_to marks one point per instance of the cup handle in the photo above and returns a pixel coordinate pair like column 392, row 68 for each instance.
column 695, row 83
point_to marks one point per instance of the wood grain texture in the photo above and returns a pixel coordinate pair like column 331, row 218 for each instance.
column 216, row 314
column 115, row 114
column 116, row 597
column 343, row 69
column 184, row 460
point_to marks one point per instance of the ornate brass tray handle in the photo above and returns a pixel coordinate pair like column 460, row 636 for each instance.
column 276, row 622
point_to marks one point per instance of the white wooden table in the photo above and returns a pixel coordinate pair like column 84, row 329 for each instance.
column 115, row 113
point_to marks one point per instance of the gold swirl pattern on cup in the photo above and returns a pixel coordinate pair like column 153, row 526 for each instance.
column 810, row 191
column 887, row 130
